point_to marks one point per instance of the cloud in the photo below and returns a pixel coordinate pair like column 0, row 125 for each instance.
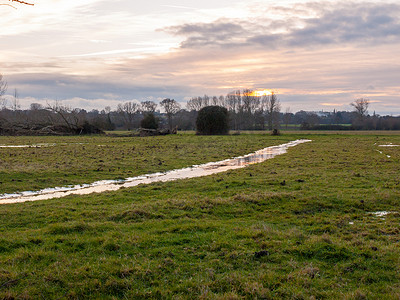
column 310, row 25
column 334, row 105
column 320, row 52
column 221, row 32
column 219, row 28
column 99, row 41
column 57, row 86
column 179, row 7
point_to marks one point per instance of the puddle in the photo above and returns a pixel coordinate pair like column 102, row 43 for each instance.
column 388, row 156
column 28, row 146
column 39, row 145
column 382, row 214
column 190, row 172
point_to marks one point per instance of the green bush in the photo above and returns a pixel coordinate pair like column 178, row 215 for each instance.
column 212, row 120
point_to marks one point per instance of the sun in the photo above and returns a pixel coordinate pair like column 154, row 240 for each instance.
column 260, row 93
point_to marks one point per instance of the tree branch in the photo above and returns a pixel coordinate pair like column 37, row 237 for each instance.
column 18, row 1
column 9, row 5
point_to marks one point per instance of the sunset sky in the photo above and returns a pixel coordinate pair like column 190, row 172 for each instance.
column 319, row 55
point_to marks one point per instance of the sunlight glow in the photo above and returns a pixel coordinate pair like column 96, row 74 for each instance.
column 260, row 93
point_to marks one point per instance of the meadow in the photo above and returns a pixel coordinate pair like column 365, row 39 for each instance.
column 319, row 222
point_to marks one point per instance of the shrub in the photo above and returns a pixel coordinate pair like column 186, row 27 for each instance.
column 149, row 121
column 212, row 120
column 275, row 132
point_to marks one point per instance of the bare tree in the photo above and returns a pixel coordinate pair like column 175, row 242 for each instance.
column 361, row 107
column 311, row 120
column 214, row 101
column 233, row 103
column 36, row 106
column 37, row 115
column 22, row 2
column 3, row 89
column 103, row 120
column 361, row 110
column 273, row 108
column 171, row 107
column 287, row 117
column 15, row 101
column 128, row 110
column 60, row 110
column 197, row 103
column 107, row 110
column 250, row 109
column 148, row 106
column 206, row 100
column 221, row 100
column 193, row 104
column 72, row 118
column 247, row 100
column 15, row 107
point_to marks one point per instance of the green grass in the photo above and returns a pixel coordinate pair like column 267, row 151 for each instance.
column 78, row 160
column 299, row 226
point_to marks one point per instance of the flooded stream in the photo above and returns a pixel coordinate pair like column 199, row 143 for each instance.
column 190, row 172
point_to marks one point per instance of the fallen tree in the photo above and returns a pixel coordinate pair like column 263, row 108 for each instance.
column 32, row 130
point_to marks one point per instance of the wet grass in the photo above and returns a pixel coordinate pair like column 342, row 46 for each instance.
column 299, row 226
column 78, row 160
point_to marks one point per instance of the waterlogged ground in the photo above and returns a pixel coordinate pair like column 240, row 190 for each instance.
column 321, row 221
column 172, row 175
column 61, row 161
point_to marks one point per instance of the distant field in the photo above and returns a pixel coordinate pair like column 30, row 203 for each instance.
column 321, row 221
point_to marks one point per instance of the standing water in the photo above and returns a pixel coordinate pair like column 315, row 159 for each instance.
column 191, row 172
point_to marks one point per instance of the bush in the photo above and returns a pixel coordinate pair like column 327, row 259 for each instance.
column 212, row 120
column 149, row 121
column 88, row 128
column 275, row 132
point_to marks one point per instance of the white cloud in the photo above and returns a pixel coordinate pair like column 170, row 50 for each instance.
column 100, row 41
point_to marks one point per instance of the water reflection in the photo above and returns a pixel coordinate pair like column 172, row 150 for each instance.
column 28, row 146
column 191, row 172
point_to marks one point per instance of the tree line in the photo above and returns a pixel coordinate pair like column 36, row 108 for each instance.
column 246, row 111
column 253, row 112
column 55, row 117
column 250, row 114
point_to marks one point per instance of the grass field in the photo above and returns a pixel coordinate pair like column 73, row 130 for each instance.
column 75, row 160
column 303, row 225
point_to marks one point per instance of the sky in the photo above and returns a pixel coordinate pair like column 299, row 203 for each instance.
column 319, row 55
